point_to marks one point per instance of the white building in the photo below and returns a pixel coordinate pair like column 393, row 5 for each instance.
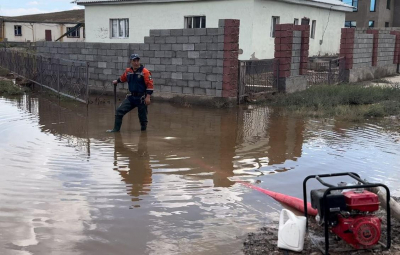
column 128, row 21
column 43, row 27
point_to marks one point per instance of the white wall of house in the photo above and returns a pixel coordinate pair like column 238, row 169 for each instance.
column 327, row 20
column 36, row 32
column 167, row 16
column 255, row 17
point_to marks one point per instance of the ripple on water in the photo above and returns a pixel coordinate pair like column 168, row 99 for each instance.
column 66, row 185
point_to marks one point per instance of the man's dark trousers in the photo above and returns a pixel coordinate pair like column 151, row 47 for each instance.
column 129, row 104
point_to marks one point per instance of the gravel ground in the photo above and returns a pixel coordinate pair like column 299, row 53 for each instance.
column 265, row 240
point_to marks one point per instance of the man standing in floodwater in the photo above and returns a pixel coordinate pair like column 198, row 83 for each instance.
column 140, row 86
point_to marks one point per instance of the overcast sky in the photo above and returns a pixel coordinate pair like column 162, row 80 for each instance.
column 24, row 7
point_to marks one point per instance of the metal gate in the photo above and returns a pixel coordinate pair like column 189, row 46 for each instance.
column 257, row 76
column 323, row 71
column 65, row 77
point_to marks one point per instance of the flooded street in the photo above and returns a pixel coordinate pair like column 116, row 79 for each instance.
column 67, row 187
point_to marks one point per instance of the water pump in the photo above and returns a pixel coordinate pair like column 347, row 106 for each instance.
column 349, row 211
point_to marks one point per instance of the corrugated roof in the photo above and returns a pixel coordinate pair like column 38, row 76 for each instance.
column 74, row 16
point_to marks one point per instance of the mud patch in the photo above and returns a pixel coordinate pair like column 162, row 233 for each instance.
column 265, row 241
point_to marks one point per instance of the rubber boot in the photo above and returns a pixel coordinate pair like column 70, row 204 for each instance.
column 143, row 127
column 117, row 125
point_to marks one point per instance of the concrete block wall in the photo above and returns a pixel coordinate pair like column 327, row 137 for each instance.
column 382, row 30
column 201, row 62
column 363, row 50
column 370, row 53
column 369, row 47
column 386, row 49
column 296, row 54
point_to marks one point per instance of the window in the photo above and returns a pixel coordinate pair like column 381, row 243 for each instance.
column 388, row 3
column 386, row 24
column 350, row 24
column 17, row 30
column 195, row 22
column 371, row 23
column 353, row 3
column 313, row 26
column 305, row 21
column 372, row 7
column 296, row 21
column 274, row 21
column 119, row 28
column 74, row 34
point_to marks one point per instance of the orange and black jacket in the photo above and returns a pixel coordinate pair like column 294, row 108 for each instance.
column 139, row 81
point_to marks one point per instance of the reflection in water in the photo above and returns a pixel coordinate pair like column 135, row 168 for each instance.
column 267, row 139
column 38, row 215
column 286, row 139
column 68, row 187
column 133, row 166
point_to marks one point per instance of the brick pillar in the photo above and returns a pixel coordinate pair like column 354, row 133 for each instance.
column 397, row 47
column 347, row 46
column 291, row 52
column 375, row 46
column 284, row 51
column 305, row 46
column 283, row 48
column 231, row 57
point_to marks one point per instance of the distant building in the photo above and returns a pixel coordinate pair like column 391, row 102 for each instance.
column 44, row 27
column 129, row 21
column 373, row 13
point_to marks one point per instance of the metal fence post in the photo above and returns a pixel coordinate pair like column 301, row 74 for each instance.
column 87, row 83
column 330, row 72
column 342, row 70
column 239, row 82
column 277, row 73
column 49, row 73
column 40, row 71
column 58, row 78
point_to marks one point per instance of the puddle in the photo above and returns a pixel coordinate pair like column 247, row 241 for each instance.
column 70, row 188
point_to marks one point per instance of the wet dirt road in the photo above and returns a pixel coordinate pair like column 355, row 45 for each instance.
column 67, row 187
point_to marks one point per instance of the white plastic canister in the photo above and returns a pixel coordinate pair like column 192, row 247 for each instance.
column 291, row 231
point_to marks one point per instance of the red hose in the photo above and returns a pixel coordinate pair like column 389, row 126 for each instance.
column 294, row 202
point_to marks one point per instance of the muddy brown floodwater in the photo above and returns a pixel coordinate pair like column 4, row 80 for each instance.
column 67, row 187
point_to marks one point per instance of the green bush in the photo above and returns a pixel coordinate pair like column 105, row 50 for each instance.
column 375, row 110
column 8, row 88
column 328, row 96
column 347, row 101
column 4, row 72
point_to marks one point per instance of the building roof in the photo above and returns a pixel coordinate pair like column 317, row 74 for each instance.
column 74, row 16
column 328, row 4
column 333, row 2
